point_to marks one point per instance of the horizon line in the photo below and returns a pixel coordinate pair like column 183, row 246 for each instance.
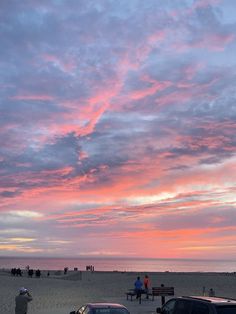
column 117, row 257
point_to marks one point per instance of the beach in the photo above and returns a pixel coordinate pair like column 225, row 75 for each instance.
column 60, row 294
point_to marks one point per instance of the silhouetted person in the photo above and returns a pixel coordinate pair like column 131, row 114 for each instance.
column 18, row 272
column 30, row 273
column 163, row 300
column 22, row 301
column 38, row 273
column 211, row 293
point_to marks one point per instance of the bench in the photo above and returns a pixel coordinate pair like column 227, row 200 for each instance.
column 132, row 293
column 162, row 292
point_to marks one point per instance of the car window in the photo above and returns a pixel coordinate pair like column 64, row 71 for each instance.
column 168, row 308
column 229, row 309
column 183, row 307
column 199, row 308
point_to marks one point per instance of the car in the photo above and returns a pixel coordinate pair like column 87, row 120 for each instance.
column 102, row 308
column 198, row 305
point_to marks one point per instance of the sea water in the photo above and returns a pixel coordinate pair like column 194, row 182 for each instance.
column 120, row 264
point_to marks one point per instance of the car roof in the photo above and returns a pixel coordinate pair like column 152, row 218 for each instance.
column 214, row 300
column 105, row 305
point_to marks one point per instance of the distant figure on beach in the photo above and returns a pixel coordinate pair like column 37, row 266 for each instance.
column 211, row 293
column 30, row 273
column 38, row 273
column 22, row 301
column 18, row 272
column 146, row 282
column 65, row 270
column 203, row 290
column 138, row 287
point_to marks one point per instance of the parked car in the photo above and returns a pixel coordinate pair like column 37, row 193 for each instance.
column 102, row 308
column 198, row 305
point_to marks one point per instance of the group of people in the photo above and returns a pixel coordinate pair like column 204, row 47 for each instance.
column 16, row 272
column 37, row 273
column 141, row 287
column 90, row 268
column 30, row 272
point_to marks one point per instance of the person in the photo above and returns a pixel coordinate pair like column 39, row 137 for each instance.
column 163, row 300
column 30, row 273
column 146, row 283
column 138, row 287
column 18, row 272
column 38, row 273
column 22, row 301
column 211, row 293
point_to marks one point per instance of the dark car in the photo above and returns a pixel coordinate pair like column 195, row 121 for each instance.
column 198, row 305
column 102, row 308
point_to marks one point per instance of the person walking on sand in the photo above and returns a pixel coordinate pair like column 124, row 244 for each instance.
column 146, row 282
column 138, row 287
column 22, row 301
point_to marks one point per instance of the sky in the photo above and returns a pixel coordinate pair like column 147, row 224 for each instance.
column 118, row 128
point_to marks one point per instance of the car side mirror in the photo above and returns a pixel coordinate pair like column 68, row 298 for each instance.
column 158, row 310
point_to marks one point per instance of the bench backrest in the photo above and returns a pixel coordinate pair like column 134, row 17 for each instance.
column 162, row 291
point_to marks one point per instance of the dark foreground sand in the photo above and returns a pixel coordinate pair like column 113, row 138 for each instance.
column 60, row 294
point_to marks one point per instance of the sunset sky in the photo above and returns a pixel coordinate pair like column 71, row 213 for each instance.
column 118, row 128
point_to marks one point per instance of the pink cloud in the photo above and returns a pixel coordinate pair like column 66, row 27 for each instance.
column 214, row 41
column 210, row 41
column 143, row 92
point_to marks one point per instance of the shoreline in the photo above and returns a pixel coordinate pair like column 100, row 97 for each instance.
column 121, row 264
column 60, row 294
column 70, row 271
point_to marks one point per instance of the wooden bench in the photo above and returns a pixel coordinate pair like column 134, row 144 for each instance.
column 162, row 292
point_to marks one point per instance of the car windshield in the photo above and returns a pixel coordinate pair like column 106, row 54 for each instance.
column 229, row 309
column 109, row 311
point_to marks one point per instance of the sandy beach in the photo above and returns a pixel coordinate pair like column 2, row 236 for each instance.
column 60, row 294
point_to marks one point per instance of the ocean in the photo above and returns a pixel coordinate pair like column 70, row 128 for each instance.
column 120, row 264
